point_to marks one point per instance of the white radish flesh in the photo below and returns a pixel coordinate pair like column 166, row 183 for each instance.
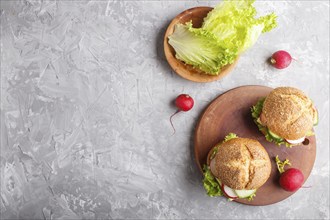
column 230, row 193
column 297, row 141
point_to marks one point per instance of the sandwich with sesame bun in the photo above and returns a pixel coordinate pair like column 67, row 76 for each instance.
column 236, row 168
column 285, row 116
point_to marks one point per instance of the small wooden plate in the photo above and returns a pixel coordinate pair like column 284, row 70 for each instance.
column 231, row 112
column 196, row 15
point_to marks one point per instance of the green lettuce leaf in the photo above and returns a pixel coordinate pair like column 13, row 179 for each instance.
column 230, row 136
column 227, row 31
column 235, row 25
column 281, row 164
column 256, row 109
column 250, row 198
column 210, row 183
column 200, row 49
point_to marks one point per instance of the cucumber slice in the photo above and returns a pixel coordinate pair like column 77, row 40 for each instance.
column 244, row 193
column 275, row 136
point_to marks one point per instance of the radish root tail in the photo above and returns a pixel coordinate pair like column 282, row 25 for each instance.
column 172, row 121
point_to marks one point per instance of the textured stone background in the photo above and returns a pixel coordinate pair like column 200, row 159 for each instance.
column 86, row 97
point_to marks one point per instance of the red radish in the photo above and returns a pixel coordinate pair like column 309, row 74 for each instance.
column 229, row 192
column 281, row 59
column 184, row 103
column 292, row 179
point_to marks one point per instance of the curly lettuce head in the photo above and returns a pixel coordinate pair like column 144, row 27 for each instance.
column 227, row 31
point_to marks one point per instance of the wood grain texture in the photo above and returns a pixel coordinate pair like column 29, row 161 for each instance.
column 196, row 15
column 230, row 112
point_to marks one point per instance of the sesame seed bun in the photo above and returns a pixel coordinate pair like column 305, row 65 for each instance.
column 288, row 112
column 241, row 163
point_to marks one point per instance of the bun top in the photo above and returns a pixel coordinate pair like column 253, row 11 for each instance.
column 288, row 112
column 241, row 163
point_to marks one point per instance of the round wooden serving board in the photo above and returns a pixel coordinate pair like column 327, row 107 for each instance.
column 231, row 112
column 196, row 15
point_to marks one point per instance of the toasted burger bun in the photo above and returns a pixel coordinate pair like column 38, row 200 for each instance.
column 288, row 112
column 241, row 163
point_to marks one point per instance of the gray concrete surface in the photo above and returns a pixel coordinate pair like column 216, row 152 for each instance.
column 86, row 97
